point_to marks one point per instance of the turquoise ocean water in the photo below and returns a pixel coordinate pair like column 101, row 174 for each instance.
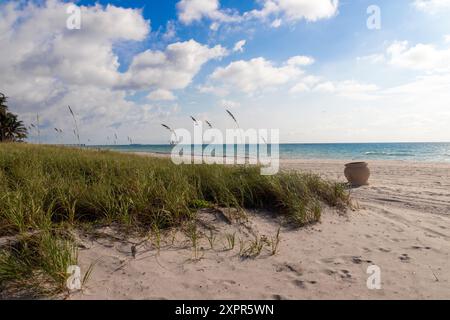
column 435, row 152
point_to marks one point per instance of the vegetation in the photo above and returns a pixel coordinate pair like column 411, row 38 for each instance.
column 46, row 192
column 11, row 129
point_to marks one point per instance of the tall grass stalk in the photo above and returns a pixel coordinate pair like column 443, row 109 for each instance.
column 76, row 130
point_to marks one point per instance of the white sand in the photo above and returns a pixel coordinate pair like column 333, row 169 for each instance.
column 402, row 226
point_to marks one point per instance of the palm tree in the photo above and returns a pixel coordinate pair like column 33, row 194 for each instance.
column 11, row 129
column 3, row 112
column 14, row 128
column 3, row 106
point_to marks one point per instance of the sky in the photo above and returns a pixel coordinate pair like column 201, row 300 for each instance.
column 320, row 71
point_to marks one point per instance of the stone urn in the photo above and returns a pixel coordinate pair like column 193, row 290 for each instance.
column 357, row 173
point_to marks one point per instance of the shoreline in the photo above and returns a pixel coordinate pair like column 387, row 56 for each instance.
column 314, row 160
column 410, row 152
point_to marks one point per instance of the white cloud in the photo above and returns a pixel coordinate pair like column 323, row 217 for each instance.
column 194, row 10
column 259, row 74
column 311, row 80
column 219, row 91
column 255, row 74
column 432, row 6
column 348, row 89
column 171, row 32
column 294, row 10
column 269, row 8
column 420, row 89
column 39, row 52
column 229, row 104
column 326, row 87
column 214, row 26
column 190, row 11
column 373, row 58
column 37, row 43
column 239, row 46
column 171, row 69
column 299, row 87
column 161, row 95
column 447, row 38
column 276, row 23
column 419, row 57
column 309, row 10
column 306, row 84
column 300, row 61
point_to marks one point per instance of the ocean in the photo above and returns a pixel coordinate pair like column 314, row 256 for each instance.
column 434, row 152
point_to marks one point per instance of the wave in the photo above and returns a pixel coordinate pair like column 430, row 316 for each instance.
column 389, row 154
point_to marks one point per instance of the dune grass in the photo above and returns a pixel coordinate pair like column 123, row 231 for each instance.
column 47, row 190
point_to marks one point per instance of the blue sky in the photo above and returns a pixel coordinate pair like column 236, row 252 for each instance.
column 347, row 84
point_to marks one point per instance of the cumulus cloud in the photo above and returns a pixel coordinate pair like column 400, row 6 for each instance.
column 420, row 57
column 424, row 57
column 276, row 23
column 239, row 46
column 37, row 42
column 190, row 11
column 294, row 10
column 258, row 74
column 432, row 6
column 171, row 69
column 255, row 74
column 305, row 84
column 300, row 61
column 171, row 32
column 161, row 95
column 209, row 89
column 350, row 89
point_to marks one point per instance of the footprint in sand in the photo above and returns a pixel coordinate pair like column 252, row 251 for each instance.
column 404, row 258
column 420, row 248
column 302, row 284
column 279, row 297
column 335, row 261
column 329, row 272
column 345, row 275
column 359, row 260
column 295, row 268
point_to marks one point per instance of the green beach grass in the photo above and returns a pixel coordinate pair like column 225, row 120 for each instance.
column 46, row 192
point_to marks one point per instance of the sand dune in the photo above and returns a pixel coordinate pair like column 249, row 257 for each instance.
column 401, row 224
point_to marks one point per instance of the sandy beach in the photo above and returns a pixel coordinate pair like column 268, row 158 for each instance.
column 401, row 223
